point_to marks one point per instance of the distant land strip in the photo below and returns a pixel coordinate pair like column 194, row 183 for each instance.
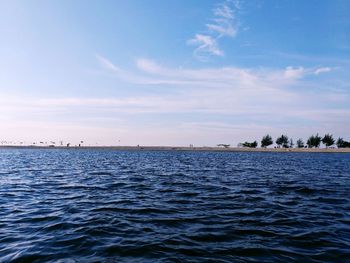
column 186, row 148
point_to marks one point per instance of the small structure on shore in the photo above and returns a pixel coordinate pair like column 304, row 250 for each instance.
column 223, row 145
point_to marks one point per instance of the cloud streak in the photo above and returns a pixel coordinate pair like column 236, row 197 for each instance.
column 322, row 70
column 231, row 78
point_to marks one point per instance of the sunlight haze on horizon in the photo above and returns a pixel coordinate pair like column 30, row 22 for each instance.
column 173, row 72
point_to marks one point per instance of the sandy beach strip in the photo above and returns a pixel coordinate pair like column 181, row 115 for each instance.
column 186, row 148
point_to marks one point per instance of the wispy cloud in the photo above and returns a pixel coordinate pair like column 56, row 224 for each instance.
column 224, row 23
column 249, row 92
column 226, row 90
column 107, row 64
column 322, row 70
column 206, row 44
column 299, row 72
column 294, row 73
column 232, row 78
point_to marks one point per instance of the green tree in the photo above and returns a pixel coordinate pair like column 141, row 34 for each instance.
column 300, row 143
column 266, row 141
column 282, row 141
column 341, row 143
column 291, row 143
column 317, row 141
column 328, row 140
column 250, row 144
column 314, row 141
column 309, row 141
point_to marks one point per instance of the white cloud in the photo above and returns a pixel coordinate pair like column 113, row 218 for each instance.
column 227, row 30
column 224, row 90
column 224, row 11
column 237, row 91
column 205, row 45
column 294, row 73
column 224, row 23
column 228, row 78
column 226, row 19
column 299, row 72
column 107, row 64
column 322, row 70
column 148, row 65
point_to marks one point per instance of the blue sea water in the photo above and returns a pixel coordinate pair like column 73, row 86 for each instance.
column 167, row 206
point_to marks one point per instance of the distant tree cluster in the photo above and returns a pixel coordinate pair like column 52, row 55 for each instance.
column 250, row 144
column 283, row 141
column 300, row 143
column 314, row 141
column 266, row 141
column 342, row 144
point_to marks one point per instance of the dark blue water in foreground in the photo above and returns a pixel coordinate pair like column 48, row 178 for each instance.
column 124, row 206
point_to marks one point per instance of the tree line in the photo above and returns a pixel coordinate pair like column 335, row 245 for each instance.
column 314, row 141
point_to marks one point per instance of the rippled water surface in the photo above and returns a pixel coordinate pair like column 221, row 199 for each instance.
column 162, row 206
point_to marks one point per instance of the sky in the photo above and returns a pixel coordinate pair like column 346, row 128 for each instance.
column 155, row 72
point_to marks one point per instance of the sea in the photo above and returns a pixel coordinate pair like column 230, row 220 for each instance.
column 104, row 205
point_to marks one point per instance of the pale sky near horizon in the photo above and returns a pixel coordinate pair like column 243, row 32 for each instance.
column 169, row 72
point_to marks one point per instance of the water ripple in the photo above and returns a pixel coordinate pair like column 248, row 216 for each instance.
column 120, row 206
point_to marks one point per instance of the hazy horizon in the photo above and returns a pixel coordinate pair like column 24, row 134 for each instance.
column 173, row 72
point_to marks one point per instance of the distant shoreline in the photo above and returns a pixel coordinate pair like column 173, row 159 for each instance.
column 186, row 148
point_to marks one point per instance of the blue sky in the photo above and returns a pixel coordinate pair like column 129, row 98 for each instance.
column 173, row 72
